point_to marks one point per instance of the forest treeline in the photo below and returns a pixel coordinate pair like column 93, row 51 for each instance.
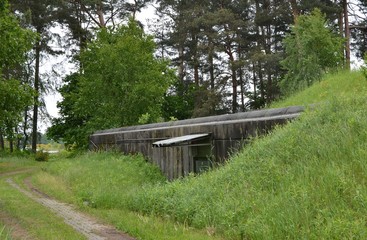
column 201, row 58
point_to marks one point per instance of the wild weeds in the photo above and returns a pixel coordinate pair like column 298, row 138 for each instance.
column 105, row 180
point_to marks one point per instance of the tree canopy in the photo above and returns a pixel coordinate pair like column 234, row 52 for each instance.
column 14, row 96
column 227, row 56
column 311, row 50
column 121, row 83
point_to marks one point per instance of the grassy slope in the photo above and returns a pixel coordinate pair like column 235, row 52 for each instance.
column 305, row 180
column 344, row 85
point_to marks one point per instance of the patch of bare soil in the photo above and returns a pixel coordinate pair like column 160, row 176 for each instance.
column 81, row 222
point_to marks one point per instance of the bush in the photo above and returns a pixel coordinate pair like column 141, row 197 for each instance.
column 41, row 156
column 312, row 49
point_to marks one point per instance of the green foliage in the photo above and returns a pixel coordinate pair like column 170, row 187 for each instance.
column 14, row 96
column 179, row 101
column 117, row 179
column 304, row 180
column 147, row 118
column 121, row 82
column 105, row 192
column 41, row 156
column 312, row 50
column 15, row 41
column 70, row 127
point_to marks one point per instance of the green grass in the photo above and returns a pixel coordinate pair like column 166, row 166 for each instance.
column 5, row 233
column 16, row 162
column 305, row 180
column 102, row 184
column 343, row 85
column 102, row 180
column 38, row 221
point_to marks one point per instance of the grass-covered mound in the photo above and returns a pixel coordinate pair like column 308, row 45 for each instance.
column 304, row 180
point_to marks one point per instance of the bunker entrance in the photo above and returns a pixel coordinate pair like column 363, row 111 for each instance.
column 193, row 152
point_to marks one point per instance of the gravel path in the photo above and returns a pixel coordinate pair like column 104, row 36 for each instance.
column 81, row 222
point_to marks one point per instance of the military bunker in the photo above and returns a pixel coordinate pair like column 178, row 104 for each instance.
column 192, row 145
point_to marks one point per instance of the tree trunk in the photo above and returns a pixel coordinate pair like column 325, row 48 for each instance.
column 25, row 127
column 11, row 145
column 196, row 73
column 211, row 71
column 211, row 64
column 35, row 99
column 267, row 47
column 234, row 82
column 2, row 143
column 347, row 35
column 181, row 63
column 295, row 10
column 102, row 22
column 242, row 84
column 234, row 89
column 261, row 82
column 254, row 79
column 242, row 90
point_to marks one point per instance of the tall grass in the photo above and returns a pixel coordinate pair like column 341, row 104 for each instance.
column 103, row 184
column 4, row 233
column 103, row 180
column 305, row 180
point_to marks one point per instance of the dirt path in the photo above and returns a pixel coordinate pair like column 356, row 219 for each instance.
column 81, row 222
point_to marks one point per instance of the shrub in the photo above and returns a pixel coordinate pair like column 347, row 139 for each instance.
column 41, row 156
column 312, row 49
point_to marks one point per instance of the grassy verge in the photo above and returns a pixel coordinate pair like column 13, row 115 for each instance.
column 38, row 221
column 102, row 184
column 16, row 162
